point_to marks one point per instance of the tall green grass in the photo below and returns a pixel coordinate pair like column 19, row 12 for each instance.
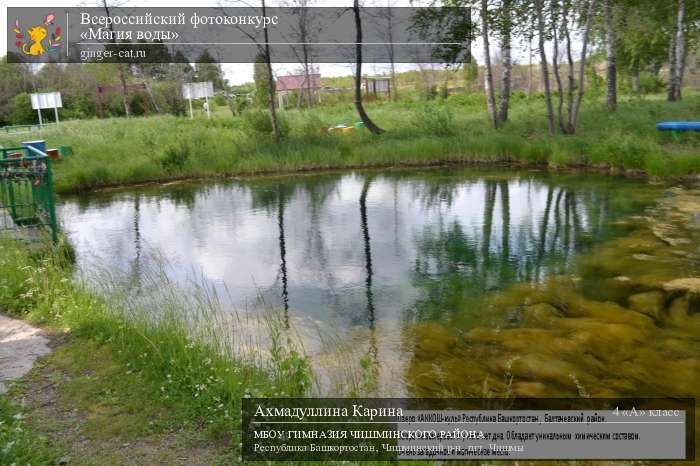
column 199, row 357
column 18, row 444
column 119, row 151
column 180, row 342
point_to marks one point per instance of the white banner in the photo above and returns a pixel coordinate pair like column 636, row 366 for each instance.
column 198, row 90
column 46, row 100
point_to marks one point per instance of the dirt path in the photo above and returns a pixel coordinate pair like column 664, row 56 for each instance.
column 94, row 410
column 20, row 345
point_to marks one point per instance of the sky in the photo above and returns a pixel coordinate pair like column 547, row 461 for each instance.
column 240, row 73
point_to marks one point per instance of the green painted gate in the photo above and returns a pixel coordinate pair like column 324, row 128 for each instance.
column 26, row 190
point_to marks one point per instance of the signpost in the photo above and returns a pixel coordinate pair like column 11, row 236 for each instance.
column 46, row 100
column 201, row 90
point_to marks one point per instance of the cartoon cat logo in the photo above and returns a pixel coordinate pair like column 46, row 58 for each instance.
column 37, row 35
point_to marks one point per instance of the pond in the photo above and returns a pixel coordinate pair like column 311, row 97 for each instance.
column 428, row 277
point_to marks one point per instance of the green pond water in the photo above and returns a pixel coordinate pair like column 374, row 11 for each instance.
column 441, row 282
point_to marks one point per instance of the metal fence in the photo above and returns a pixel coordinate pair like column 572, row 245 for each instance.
column 24, row 128
column 26, row 190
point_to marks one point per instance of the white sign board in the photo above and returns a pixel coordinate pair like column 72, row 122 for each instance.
column 46, row 100
column 201, row 90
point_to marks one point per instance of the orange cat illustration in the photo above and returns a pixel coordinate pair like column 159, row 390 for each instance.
column 36, row 35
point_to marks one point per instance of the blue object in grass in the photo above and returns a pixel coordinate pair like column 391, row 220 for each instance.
column 678, row 126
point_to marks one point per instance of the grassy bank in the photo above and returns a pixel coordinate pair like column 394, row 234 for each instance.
column 456, row 129
column 199, row 374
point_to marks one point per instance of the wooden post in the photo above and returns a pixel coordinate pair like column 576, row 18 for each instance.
column 55, row 111
column 206, row 100
column 99, row 102
column 38, row 111
column 191, row 114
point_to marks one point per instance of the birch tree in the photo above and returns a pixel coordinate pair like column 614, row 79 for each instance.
column 506, row 28
column 611, row 65
column 573, row 114
column 488, row 71
column 677, row 54
column 542, row 36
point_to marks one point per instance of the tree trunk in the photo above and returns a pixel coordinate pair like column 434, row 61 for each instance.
column 305, row 52
column 390, row 30
column 554, row 7
column 529, row 67
column 125, row 91
column 507, row 62
column 270, row 82
column 582, row 68
column 680, row 51
column 636, row 87
column 369, row 124
column 611, row 69
column 570, row 59
column 120, row 67
column 488, row 71
column 543, row 61
column 672, row 62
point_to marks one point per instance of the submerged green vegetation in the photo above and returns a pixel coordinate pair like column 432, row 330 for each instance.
column 623, row 324
column 117, row 151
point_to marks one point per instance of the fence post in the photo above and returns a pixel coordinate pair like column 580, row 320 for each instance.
column 51, row 205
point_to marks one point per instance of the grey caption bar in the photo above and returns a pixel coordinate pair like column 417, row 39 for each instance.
column 237, row 35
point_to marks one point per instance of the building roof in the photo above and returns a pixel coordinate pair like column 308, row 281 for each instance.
column 295, row 82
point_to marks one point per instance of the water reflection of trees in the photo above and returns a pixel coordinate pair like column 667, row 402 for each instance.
column 456, row 264
column 275, row 196
column 372, row 358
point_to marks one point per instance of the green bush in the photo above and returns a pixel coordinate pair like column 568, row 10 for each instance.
column 311, row 125
column 22, row 113
column 219, row 100
column 237, row 105
column 434, row 119
column 650, row 83
column 175, row 157
column 259, row 121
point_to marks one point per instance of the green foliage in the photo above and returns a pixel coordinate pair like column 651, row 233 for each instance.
column 22, row 113
column 119, row 151
column 435, row 119
column 650, row 83
column 219, row 101
column 261, row 77
column 140, row 103
column 207, row 69
column 175, row 157
column 259, row 121
column 470, row 72
column 17, row 444
column 428, row 91
column 237, row 104
column 444, row 91
column 195, row 367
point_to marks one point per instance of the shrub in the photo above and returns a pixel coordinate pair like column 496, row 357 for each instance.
column 437, row 120
column 650, row 83
column 259, row 121
column 175, row 157
column 220, row 100
column 311, row 125
column 22, row 113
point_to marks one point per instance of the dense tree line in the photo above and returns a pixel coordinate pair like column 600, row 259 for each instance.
column 78, row 86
